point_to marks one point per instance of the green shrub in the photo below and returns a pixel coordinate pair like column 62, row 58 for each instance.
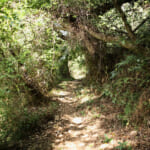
column 29, row 55
column 123, row 146
column 127, row 82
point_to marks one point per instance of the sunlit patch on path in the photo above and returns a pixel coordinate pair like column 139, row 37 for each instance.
column 85, row 121
column 56, row 92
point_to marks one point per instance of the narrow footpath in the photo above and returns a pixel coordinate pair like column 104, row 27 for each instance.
column 87, row 121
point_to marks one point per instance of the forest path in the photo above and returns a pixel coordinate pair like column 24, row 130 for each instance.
column 86, row 121
column 77, row 126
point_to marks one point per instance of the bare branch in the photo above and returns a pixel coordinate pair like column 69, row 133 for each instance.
column 141, row 24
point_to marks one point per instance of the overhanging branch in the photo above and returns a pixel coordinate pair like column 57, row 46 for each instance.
column 124, row 19
column 128, row 44
column 111, row 39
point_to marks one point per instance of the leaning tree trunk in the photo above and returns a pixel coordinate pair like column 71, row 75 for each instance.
column 95, row 55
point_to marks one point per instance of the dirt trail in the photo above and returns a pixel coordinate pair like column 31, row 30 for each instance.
column 74, row 128
column 86, row 121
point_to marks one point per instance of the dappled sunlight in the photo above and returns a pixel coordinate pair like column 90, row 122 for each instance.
column 74, row 119
column 85, row 98
column 77, row 120
column 88, row 98
column 72, row 146
column 108, row 145
column 69, row 85
column 56, row 92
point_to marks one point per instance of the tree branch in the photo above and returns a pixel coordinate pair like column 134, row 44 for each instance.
column 116, row 40
column 128, row 44
column 141, row 24
column 124, row 19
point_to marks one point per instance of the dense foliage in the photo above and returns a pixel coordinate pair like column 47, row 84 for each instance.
column 31, row 63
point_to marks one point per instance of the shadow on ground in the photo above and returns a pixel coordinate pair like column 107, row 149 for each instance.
column 86, row 121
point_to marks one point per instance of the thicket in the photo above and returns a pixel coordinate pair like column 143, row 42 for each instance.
column 32, row 58
column 128, row 87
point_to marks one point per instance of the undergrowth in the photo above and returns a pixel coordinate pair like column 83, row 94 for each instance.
column 31, row 60
column 128, row 81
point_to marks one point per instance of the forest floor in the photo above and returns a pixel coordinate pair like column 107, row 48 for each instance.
column 87, row 121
